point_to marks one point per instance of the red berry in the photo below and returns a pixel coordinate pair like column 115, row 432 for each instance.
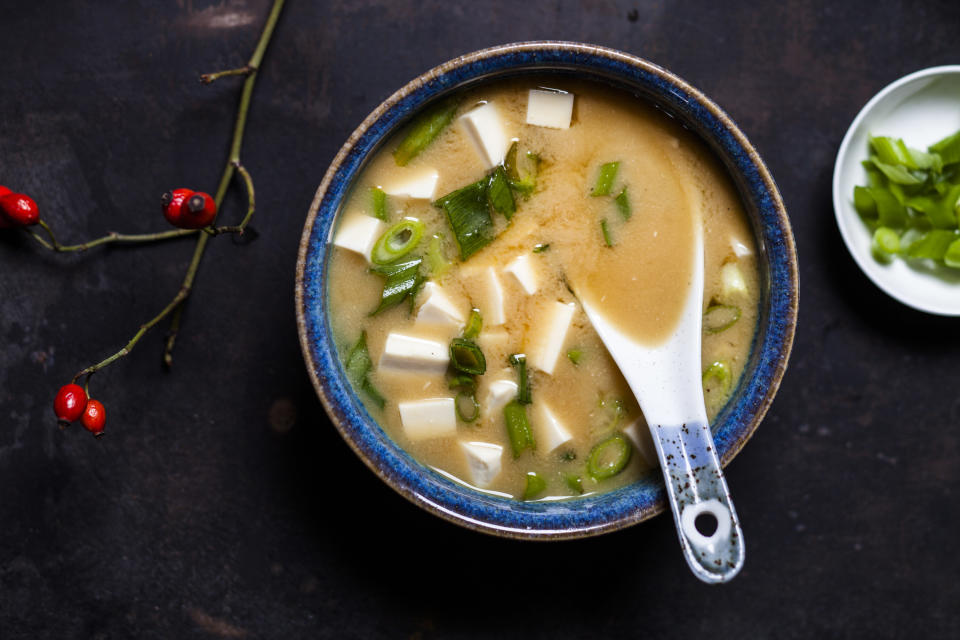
column 4, row 222
column 94, row 417
column 172, row 202
column 19, row 209
column 198, row 211
column 70, row 403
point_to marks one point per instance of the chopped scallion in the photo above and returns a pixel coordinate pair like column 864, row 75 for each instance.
column 469, row 216
column 358, row 366
column 608, row 173
column 403, row 279
column 535, row 485
column 952, row 256
column 623, row 204
column 574, row 482
column 540, row 248
column 463, row 381
column 948, row 148
column 437, row 263
column 720, row 317
column 575, row 355
column 518, row 428
column 886, row 243
column 499, row 194
column 397, row 241
column 378, row 198
column 467, row 407
column 519, row 361
column 424, row 130
column 467, row 357
column 606, row 233
column 608, row 458
column 474, row 325
column 717, row 373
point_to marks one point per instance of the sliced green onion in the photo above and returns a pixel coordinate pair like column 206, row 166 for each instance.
column 720, row 317
column 575, row 355
column 608, row 173
column 518, row 428
column 574, row 482
column 619, row 410
column 467, row 398
column 864, row 203
column 890, row 150
column 896, row 173
column 519, row 361
column 424, row 130
column 523, row 182
column 718, row 371
column 886, row 243
column 948, row 149
column 437, row 263
column 952, row 256
column 932, row 244
column 540, row 248
column 568, row 455
column 463, row 381
column 467, row 357
column 378, row 198
column 499, row 194
column 403, row 279
column 890, row 211
column 606, row 233
column 397, row 241
column 474, row 325
column 623, row 204
column 608, row 458
column 535, row 485
column 358, row 366
column 469, row 216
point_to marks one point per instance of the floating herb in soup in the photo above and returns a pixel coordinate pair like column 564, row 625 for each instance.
column 449, row 275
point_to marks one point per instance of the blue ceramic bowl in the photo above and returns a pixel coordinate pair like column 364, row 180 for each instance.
column 592, row 514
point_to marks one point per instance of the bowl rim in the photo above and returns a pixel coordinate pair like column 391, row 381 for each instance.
column 511, row 518
column 844, row 213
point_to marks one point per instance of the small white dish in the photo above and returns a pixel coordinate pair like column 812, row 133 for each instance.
column 921, row 108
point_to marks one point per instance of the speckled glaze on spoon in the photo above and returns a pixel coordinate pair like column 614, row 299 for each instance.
column 666, row 380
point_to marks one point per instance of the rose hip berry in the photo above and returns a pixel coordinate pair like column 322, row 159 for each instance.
column 70, row 403
column 94, row 417
column 172, row 202
column 19, row 210
column 198, row 211
column 4, row 223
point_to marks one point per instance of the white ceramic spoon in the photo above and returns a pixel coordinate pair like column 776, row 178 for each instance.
column 666, row 380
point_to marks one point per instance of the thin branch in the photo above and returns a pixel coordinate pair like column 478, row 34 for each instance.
column 207, row 78
column 251, row 207
column 111, row 238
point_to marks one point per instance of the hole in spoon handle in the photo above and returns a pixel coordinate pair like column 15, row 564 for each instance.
column 703, row 512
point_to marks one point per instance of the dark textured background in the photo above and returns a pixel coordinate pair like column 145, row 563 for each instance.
column 203, row 513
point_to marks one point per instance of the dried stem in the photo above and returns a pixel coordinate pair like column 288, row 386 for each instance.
column 207, row 78
column 175, row 306
column 111, row 238
column 251, row 207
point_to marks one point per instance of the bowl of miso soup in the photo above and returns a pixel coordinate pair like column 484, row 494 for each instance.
column 443, row 254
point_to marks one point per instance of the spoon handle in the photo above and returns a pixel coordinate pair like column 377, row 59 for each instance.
column 695, row 486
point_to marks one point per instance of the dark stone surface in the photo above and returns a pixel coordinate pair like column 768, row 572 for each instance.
column 202, row 514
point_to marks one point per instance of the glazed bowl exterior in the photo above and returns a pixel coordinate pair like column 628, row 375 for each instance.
column 592, row 514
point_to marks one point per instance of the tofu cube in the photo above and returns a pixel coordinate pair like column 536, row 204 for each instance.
column 431, row 418
column 484, row 127
column 499, row 393
column 409, row 354
column 522, row 269
column 437, row 308
column 553, row 109
column 739, row 248
column 732, row 280
column 492, row 307
column 550, row 336
column 358, row 233
column 418, row 185
column 640, row 436
column 483, row 462
column 550, row 432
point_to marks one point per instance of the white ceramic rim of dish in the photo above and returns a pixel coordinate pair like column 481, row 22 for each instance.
column 908, row 284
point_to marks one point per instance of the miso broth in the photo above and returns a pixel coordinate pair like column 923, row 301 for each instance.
column 620, row 235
